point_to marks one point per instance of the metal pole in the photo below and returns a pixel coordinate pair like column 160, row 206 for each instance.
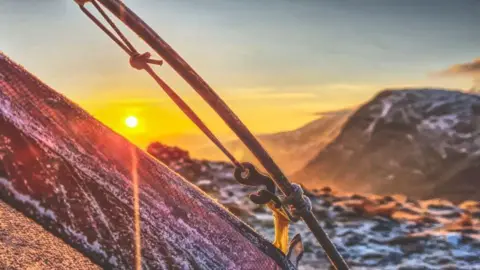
column 130, row 19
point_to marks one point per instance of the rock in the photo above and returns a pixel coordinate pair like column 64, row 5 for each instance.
column 439, row 205
column 352, row 238
column 340, row 210
column 259, row 209
column 454, row 238
column 379, row 232
column 319, row 210
column 206, row 185
column 326, row 190
column 471, row 206
column 265, row 219
column 238, row 211
column 451, row 215
column 358, row 197
column 383, row 225
column 387, row 199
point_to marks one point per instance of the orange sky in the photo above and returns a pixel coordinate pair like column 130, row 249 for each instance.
column 262, row 111
column 275, row 67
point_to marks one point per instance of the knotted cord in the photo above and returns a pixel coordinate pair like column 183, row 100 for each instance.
column 300, row 203
column 294, row 197
column 143, row 61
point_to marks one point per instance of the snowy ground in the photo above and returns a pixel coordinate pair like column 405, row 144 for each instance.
column 371, row 231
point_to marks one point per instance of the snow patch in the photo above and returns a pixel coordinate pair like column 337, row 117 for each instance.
column 387, row 106
column 27, row 200
column 94, row 247
column 440, row 123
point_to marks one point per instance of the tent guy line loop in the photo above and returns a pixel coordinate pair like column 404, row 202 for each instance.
column 141, row 62
column 299, row 203
column 169, row 55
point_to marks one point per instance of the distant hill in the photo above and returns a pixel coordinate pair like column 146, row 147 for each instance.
column 420, row 142
column 292, row 150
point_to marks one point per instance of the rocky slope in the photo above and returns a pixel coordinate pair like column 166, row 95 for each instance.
column 424, row 143
column 372, row 232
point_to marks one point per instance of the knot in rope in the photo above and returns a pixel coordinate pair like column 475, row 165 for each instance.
column 300, row 204
column 139, row 61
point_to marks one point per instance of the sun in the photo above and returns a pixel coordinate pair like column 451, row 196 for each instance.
column 131, row 121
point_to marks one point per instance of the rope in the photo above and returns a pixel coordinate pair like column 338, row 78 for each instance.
column 300, row 204
column 105, row 30
column 114, row 27
column 142, row 61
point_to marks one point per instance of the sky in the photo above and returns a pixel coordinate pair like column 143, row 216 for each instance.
column 276, row 63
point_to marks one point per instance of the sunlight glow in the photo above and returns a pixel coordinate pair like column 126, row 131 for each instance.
column 136, row 213
column 131, row 122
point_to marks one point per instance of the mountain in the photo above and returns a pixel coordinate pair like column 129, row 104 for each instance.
column 101, row 195
column 290, row 149
column 423, row 143
column 370, row 231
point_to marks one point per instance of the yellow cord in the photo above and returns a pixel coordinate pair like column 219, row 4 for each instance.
column 281, row 224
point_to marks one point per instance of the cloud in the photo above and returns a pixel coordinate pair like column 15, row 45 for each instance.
column 471, row 69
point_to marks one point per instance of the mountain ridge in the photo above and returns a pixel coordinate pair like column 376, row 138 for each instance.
column 405, row 137
column 291, row 149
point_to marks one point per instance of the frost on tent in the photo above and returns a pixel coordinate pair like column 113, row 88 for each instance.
column 73, row 175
